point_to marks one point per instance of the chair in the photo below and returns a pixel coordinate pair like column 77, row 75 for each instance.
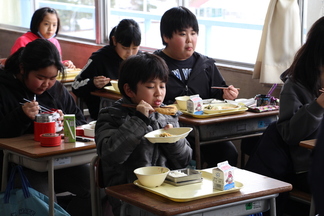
column 96, row 183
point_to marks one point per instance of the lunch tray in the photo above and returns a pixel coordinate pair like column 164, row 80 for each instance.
column 230, row 112
column 190, row 192
column 111, row 89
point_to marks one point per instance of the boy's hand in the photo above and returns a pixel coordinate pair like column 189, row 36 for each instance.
column 230, row 93
column 168, row 126
column 144, row 108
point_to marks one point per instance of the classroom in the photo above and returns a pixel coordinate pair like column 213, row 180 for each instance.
column 259, row 69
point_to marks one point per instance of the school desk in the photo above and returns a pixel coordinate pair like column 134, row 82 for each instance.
column 257, row 195
column 218, row 128
column 25, row 151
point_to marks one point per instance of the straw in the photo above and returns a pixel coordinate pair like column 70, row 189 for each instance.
column 271, row 89
column 70, row 130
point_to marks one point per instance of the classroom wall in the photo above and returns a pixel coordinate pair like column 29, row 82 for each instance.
column 79, row 54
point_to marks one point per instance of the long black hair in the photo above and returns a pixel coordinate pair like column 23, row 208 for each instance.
column 36, row 55
column 127, row 32
column 309, row 59
column 38, row 17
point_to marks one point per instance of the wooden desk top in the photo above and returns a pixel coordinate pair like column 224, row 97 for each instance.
column 197, row 121
column 254, row 185
column 26, row 145
column 107, row 94
column 309, row 144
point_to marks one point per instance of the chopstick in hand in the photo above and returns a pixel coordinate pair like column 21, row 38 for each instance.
column 166, row 110
column 322, row 90
column 43, row 109
column 216, row 87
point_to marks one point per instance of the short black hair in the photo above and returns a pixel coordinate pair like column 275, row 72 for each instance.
column 38, row 17
column 141, row 68
column 127, row 32
column 177, row 19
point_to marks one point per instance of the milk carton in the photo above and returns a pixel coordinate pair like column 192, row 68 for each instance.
column 69, row 128
column 223, row 176
column 195, row 105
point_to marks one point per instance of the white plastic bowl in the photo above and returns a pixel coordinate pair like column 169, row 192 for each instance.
column 151, row 176
column 182, row 102
column 114, row 83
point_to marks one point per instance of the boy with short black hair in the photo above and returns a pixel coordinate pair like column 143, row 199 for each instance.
column 192, row 73
column 120, row 130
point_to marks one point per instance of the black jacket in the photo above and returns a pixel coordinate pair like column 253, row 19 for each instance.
column 203, row 76
column 104, row 62
column 13, row 121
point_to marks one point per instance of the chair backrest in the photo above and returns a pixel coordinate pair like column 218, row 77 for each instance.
column 98, row 173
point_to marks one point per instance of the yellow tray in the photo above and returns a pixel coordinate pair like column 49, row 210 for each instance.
column 70, row 74
column 111, row 89
column 230, row 112
column 190, row 192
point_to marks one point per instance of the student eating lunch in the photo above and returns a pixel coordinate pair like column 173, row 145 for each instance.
column 192, row 73
column 30, row 74
column 120, row 129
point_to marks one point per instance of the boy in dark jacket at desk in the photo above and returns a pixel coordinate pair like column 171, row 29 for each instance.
column 120, row 130
column 192, row 73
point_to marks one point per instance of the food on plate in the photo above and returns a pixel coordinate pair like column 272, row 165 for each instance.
column 167, row 110
column 177, row 173
column 165, row 134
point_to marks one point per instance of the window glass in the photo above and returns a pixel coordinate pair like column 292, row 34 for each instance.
column 77, row 16
column 228, row 29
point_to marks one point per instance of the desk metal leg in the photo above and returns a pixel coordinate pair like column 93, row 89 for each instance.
column 197, row 147
column 273, row 210
column 51, row 186
column 4, row 171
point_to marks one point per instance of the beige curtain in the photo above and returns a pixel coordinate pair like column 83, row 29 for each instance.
column 281, row 38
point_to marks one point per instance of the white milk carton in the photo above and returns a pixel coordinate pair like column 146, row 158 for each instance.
column 195, row 104
column 223, row 176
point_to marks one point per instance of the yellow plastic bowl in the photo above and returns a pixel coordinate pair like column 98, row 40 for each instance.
column 151, row 176
column 182, row 102
column 114, row 83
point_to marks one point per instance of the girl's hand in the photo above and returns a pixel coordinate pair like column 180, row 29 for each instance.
column 60, row 119
column 31, row 109
column 145, row 108
column 61, row 115
column 69, row 64
column 100, row 81
column 230, row 93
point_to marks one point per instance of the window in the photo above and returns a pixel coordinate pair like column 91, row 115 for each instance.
column 230, row 30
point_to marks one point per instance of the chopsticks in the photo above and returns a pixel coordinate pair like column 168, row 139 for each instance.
column 218, row 87
column 43, row 109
